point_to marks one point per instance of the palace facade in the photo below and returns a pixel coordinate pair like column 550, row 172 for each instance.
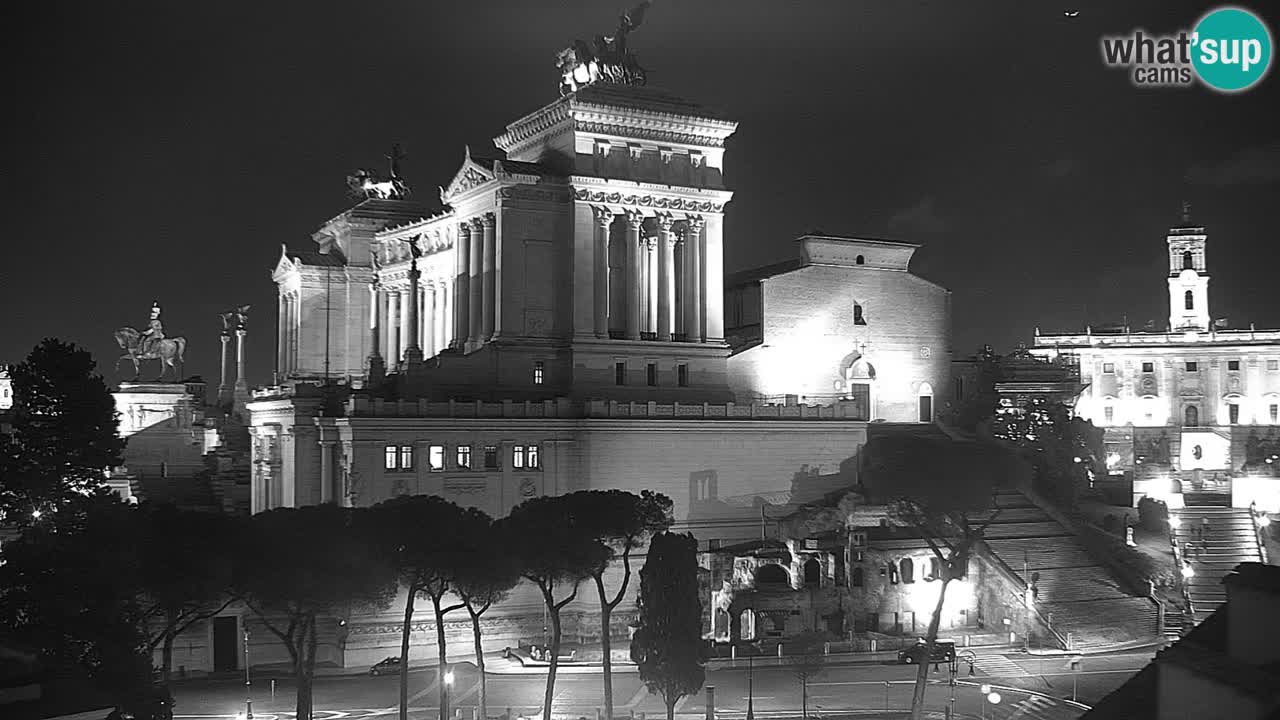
column 1195, row 407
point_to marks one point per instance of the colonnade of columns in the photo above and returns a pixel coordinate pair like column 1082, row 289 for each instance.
column 394, row 327
column 666, row 278
column 438, row 313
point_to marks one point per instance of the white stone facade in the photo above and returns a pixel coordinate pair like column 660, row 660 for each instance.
column 848, row 323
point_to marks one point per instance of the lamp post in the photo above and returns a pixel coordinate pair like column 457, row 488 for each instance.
column 751, row 712
column 445, row 686
column 248, row 697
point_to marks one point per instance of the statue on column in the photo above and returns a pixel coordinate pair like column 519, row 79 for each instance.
column 150, row 344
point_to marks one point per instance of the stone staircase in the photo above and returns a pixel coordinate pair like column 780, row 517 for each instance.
column 1078, row 595
column 1229, row 540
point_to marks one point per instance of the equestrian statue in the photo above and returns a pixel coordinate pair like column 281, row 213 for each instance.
column 150, row 344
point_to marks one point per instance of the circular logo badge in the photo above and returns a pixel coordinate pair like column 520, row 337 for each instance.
column 1231, row 49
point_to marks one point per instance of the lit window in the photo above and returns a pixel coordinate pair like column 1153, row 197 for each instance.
column 524, row 457
column 620, row 373
column 435, row 458
column 389, row 458
column 1275, row 413
column 490, row 457
column 517, row 457
column 1233, row 412
column 1233, row 364
column 464, row 456
column 538, row 369
column 1193, row 366
column 1148, row 367
column 1109, row 368
column 682, row 375
column 1110, row 414
column 406, row 457
column 651, row 374
column 531, row 457
column 1189, row 300
column 857, row 316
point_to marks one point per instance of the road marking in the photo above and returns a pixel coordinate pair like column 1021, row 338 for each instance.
column 430, row 688
column 998, row 665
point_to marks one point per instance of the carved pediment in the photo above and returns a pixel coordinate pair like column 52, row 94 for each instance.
column 284, row 265
column 469, row 176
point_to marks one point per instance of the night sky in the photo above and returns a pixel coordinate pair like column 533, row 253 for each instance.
column 165, row 150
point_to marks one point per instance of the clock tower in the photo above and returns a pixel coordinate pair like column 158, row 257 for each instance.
column 1188, row 276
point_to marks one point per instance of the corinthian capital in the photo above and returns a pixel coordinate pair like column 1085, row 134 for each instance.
column 488, row 220
column 477, row 226
column 635, row 219
column 693, row 224
column 665, row 221
column 603, row 215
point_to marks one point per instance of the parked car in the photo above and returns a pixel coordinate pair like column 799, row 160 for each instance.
column 386, row 666
column 538, row 654
column 944, row 651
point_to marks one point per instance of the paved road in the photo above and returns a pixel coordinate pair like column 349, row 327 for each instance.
column 1023, row 681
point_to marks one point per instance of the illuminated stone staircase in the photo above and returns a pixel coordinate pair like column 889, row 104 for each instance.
column 1228, row 541
column 1077, row 594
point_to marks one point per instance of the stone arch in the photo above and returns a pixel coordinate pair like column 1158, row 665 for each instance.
column 860, row 260
column 907, row 568
column 772, row 574
column 1189, row 300
column 812, row 572
column 1191, row 416
column 924, row 402
column 1188, row 261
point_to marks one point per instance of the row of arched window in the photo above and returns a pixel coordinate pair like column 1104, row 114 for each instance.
column 904, row 571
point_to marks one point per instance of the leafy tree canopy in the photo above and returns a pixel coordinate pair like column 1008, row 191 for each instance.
column 65, row 432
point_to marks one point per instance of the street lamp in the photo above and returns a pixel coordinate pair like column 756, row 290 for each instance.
column 445, row 687
column 751, row 672
column 248, row 697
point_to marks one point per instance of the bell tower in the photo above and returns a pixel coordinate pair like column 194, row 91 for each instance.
column 1188, row 275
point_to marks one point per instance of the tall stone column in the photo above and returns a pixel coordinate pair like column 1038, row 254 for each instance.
column 603, row 218
column 634, row 221
column 461, row 287
column 326, row 469
column 475, row 321
column 446, row 315
column 488, row 223
column 393, row 328
column 429, row 348
column 377, row 367
column 693, row 269
column 713, row 278
column 666, row 277
column 242, row 384
column 282, row 336
column 413, row 350
column 223, row 388
column 651, row 286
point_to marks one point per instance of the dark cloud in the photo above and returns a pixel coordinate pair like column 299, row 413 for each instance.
column 1257, row 165
column 919, row 219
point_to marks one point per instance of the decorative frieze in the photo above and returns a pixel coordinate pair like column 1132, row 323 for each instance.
column 648, row 133
column 659, row 202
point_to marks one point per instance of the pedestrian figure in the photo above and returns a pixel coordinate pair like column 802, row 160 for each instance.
column 1204, row 526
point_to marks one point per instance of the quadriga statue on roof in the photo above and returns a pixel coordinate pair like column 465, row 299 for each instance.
column 150, row 344
column 608, row 61
column 365, row 183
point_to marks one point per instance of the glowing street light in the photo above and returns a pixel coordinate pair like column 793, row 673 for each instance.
column 1187, row 571
column 1174, row 521
column 445, row 687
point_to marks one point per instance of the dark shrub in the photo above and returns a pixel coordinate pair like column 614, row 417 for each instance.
column 1152, row 514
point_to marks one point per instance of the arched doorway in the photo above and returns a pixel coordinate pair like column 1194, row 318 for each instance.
column 1191, row 416
column 859, row 381
column 925, row 402
column 812, row 572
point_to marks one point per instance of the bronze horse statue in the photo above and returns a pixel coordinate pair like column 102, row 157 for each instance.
column 166, row 351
